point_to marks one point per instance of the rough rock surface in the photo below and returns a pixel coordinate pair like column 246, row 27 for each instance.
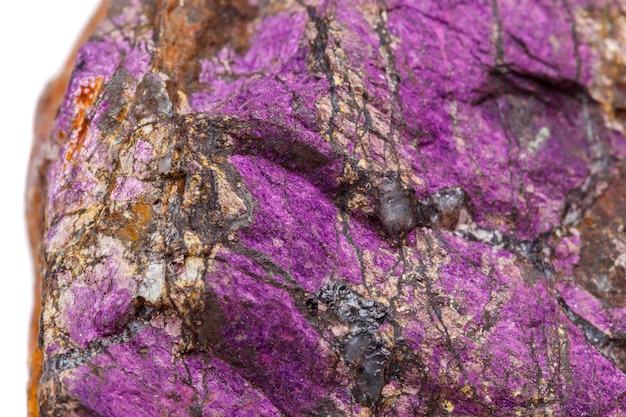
column 336, row 208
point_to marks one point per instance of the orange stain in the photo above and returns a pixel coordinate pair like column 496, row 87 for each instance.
column 84, row 100
column 36, row 364
column 132, row 229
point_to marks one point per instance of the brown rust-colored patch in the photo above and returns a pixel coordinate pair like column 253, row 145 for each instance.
column 36, row 365
column 130, row 225
column 88, row 93
column 602, row 27
column 211, row 24
column 602, row 266
column 84, row 100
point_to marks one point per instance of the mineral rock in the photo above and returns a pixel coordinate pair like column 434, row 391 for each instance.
column 335, row 208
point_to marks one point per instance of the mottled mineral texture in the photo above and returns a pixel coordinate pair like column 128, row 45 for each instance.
column 335, row 208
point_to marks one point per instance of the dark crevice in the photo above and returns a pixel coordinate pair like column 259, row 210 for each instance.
column 73, row 358
column 611, row 347
column 509, row 79
column 264, row 261
column 300, row 296
column 534, row 250
column 397, row 121
column 499, row 57
column 574, row 34
column 345, row 231
column 322, row 64
column 520, row 42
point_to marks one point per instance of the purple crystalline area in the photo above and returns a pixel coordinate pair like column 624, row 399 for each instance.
column 349, row 208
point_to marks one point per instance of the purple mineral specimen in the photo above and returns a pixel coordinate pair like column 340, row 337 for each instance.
column 339, row 208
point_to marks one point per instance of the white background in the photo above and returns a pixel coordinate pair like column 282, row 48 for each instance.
column 36, row 38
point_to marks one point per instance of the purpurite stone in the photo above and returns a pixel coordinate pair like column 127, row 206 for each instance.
column 335, row 208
